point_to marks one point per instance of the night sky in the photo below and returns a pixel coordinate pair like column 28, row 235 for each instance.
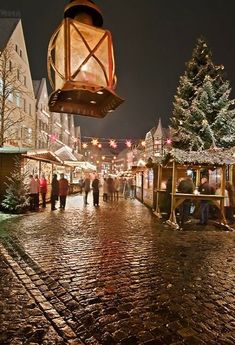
column 152, row 41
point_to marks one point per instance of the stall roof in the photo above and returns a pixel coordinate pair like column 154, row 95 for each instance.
column 67, row 154
column 13, row 149
column 215, row 156
column 45, row 155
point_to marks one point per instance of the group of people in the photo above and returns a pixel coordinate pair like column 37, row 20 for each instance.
column 186, row 186
column 111, row 186
column 39, row 186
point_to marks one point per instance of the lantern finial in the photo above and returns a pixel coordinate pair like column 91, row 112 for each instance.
column 81, row 66
column 77, row 8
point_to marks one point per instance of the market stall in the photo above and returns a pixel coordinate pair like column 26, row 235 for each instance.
column 178, row 163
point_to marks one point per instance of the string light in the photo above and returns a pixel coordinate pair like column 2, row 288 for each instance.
column 95, row 142
column 128, row 143
column 113, row 143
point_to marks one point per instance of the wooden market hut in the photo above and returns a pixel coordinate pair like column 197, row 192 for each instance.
column 216, row 162
column 8, row 156
column 32, row 161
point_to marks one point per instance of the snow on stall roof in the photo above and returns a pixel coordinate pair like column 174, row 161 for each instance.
column 214, row 156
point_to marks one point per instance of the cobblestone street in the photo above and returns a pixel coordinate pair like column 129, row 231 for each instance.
column 114, row 275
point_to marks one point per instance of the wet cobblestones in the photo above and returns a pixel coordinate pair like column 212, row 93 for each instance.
column 114, row 275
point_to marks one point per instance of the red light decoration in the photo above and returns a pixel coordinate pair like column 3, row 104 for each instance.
column 53, row 137
column 128, row 143
column 112, row 143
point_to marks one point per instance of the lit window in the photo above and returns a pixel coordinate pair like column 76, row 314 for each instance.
column 18, row 74
column 24, row 104
column 17, row 98
column 10, row 65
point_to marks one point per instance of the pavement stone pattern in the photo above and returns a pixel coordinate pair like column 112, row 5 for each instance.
column 114, row 275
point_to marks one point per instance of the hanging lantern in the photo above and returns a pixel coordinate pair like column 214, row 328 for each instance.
column 81, row 63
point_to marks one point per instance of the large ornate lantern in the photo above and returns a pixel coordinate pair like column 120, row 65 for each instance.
column 81, row 63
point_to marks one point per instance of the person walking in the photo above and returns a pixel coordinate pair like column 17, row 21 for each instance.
column 230, row 208
column 105, row 190
column 110, row 185
column 116, row 188
column 43, row 189
column 87, row 188
column 228, row 201
column 81, row 183
column 95, row 186
column 204, row 188
column 132, row 187
column 54, row 191
column 37, row 193
column 63, row 190
column 33, row 190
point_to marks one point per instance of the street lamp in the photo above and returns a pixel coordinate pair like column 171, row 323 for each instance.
column 81, row 63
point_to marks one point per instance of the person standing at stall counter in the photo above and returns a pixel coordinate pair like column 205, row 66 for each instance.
column 63, row 190
column 207, row 189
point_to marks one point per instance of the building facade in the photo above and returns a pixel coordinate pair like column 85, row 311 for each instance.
column 17, row 115
column 25, row 120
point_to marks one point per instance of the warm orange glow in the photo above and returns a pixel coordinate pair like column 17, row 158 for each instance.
column 128, row 143
column 84, row 145
column 95, row 142
column 143, row 143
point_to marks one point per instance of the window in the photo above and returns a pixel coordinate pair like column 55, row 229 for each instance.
column 1, row 85
column 24, row 104
column 30, row 109
column 17, row 98
column 25, row 84
column 21, row 54
column 10, row 65
column 16, row 48
column 18, row 74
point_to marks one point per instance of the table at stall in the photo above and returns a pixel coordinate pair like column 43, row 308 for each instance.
column 179, row 198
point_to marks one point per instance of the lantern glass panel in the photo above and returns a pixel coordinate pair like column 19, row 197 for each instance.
column 90, row 55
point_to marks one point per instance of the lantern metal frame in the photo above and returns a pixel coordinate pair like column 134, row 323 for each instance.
column 81, row 97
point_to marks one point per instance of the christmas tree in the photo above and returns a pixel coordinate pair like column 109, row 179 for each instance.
column 203, row 115
column 16, row 199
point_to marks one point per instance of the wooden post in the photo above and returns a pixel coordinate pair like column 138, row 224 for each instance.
column 197, row 177
column 158, row 212
column 172, row 216
column 222, row 187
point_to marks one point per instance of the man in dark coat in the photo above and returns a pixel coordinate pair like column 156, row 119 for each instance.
column 95, row 186
column 205, row 188
column 54, row 192
column 186, row 186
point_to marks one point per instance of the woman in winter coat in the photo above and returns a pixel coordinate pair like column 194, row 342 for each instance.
column 54, row 191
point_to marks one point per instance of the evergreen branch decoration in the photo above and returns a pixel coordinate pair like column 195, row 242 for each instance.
column 16, row 199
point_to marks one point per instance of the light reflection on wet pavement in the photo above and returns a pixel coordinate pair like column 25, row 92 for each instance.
column 115, row 275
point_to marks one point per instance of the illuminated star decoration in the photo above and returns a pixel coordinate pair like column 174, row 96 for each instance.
column 95, row 142
column 113, row 143
column 53, row 137
column 128, row 143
